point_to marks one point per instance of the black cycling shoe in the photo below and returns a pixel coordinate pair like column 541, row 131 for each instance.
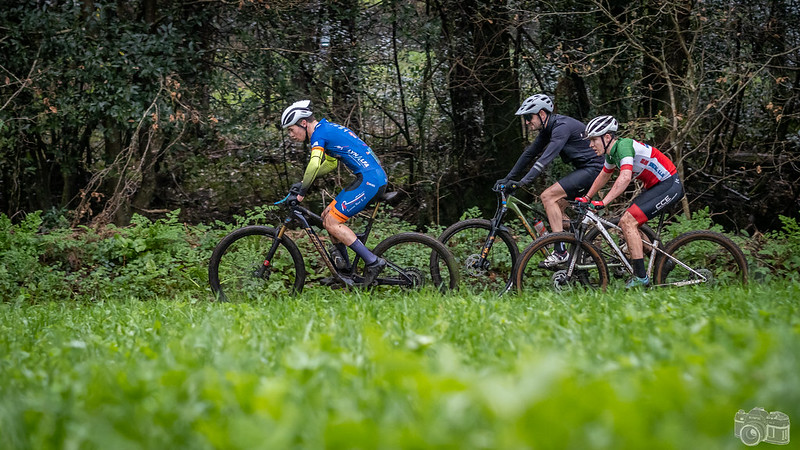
column 371, row 271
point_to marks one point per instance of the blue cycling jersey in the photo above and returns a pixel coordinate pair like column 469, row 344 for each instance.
column 341, row 143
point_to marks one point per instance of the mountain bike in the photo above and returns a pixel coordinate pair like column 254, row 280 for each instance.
column 487, row 266
column 259, row 261
column 691, row 258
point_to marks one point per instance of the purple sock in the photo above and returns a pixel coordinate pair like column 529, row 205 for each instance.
column 363, row 252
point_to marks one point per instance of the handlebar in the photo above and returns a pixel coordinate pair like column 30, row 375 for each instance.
column 582, row 207
column 289, row 203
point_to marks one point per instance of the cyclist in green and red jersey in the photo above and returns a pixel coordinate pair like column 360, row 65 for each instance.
column 331, row 143
column 634, row 159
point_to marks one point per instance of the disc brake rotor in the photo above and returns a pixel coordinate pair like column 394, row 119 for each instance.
column 473, row 266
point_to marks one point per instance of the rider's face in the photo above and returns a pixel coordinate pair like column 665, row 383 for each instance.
column 534, row 121
column 296, row 133
column 596, row 142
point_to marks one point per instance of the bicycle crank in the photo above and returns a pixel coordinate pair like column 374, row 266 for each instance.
column 415, row 277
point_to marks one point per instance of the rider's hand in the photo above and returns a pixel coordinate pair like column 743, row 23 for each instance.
column 295, row 189
column 598, row 204
column 500, row 184
column 512, row 185
column 582, row 199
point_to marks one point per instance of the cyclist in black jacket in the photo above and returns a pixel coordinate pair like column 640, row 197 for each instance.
column 558, row 135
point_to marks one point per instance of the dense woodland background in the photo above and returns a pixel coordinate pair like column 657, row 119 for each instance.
column 110, row 108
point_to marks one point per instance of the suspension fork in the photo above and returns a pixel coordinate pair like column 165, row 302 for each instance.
column 496, row 221
column 575, row 254
column 266, row 267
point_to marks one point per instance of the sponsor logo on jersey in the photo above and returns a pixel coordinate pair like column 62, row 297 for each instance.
column 357, row 158
column 655, row 169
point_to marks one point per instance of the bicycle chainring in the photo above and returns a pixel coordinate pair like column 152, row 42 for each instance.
column 417, row 277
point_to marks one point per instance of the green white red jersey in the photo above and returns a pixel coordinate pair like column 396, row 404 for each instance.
column 647, row 163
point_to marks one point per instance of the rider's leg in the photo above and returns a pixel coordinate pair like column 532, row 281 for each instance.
column 332, row 221
column 645, row 207
column 630, row 229
column 550, row 199
column 347, row 204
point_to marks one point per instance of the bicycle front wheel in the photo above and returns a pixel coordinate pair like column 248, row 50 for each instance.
column 242, row 268
column 701, row 257
column 585, row 267
column 466, row 239
column 415, row 261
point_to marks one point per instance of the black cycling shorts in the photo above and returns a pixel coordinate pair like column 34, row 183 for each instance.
column 650, row 202
column 577, row 183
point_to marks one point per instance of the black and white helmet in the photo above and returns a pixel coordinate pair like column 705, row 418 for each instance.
column 298, row 110
column 600, row 125
column 534, row 104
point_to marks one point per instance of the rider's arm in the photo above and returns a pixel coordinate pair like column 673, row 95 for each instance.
column 558, row 139
column 319, row 164
column 599, row 182
column 525, row 158
column 623, row 180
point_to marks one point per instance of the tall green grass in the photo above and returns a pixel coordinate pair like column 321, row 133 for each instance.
column 657, row 369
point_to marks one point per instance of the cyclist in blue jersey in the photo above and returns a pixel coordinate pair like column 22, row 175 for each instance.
column 558, row 135
column 331, row 143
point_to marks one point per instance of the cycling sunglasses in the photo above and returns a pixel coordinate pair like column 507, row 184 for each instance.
column 528, row 117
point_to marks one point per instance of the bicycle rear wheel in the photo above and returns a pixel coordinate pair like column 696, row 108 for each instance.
column 712, row 258
column 588, row 272
column 466, row 239
column 414, row 261
column 241, row 268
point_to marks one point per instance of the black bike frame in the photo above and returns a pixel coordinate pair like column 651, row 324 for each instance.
column 308, row 220
column 504, row 204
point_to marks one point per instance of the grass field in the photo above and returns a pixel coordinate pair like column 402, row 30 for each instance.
column 659, row 369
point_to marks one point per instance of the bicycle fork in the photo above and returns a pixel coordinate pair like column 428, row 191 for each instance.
column 265, row 269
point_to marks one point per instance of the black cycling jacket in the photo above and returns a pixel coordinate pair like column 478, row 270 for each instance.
column 562, row 135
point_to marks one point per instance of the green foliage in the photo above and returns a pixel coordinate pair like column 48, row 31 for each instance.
column 144, row 260
column 701, row 220
column 661, row 369
column 779, row 251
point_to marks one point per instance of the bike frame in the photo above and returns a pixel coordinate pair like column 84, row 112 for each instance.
column 308, row 220
column 592, row 219
column 516, row 205
column 506, row 203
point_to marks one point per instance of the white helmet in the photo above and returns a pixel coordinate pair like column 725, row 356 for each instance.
column 299, row 110
column 534, row 104
column 600, row 126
